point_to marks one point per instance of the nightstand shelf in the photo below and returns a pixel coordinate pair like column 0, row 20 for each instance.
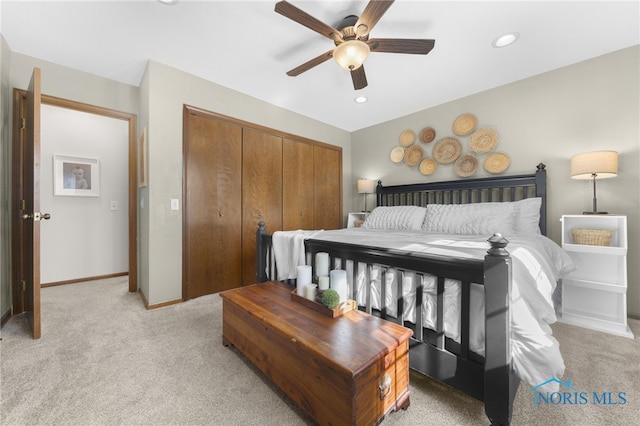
column 595, row 294
column 355, row 220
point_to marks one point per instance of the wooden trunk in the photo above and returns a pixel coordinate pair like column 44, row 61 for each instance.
column 350, row 370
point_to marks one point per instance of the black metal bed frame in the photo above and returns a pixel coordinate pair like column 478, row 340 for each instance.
column 491, row 378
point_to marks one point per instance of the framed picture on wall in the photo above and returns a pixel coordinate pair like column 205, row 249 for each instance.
column 142, row 159
column 76, row 176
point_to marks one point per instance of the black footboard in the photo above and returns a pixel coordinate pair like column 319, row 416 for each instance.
column 489, row 378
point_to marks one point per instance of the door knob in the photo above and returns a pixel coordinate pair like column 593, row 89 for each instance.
column 36, row 216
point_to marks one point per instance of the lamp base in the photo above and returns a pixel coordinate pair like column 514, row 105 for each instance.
column 595, row 212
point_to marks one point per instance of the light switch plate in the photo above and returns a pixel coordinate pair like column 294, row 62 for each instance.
column 175, row 204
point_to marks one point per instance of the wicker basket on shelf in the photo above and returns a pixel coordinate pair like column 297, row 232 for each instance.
column 591, row 237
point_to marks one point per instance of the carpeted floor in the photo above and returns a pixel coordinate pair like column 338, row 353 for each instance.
column 103, row 359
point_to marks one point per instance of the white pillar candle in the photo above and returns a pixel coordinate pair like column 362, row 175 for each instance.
column 323, row 282
column 310, row 291
column 303, row 278
column 339, row 283
column 322, row 264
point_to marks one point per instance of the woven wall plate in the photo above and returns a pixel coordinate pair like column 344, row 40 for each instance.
column 427, row 135
column 447, row 150
column 464, row 124
column 413, row 155
column 483, row 140
column 466, row 165
column 407, row 138
column 497, row 162
column 428, row 166
column 397, row 154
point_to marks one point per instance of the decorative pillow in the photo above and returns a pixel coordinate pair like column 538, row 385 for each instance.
column 527, row 215
column 396, row 218
column 471, row 219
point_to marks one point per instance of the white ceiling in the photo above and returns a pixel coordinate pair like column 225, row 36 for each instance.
column 246, row 46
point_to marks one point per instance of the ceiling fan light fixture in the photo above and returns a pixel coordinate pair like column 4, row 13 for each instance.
column 351, row 54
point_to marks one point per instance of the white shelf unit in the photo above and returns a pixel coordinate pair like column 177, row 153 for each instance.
column 355, row 220
column 595, row 294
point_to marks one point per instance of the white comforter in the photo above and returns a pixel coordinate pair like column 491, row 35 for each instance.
column 537, row 262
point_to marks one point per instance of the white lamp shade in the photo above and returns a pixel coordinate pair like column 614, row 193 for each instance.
column 598, row 164
column 366, row 186
column 351, row 54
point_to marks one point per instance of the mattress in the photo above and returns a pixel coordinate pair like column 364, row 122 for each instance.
column 537, row 265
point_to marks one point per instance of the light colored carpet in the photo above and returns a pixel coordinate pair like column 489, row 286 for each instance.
column 103, row 359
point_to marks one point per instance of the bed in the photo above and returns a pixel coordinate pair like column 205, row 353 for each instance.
column 464, row 264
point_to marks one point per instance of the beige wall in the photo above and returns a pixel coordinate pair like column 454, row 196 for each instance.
column 548, row 118
column 85, row 225
column 169, row 89
column 75, row 85
column 158, row 102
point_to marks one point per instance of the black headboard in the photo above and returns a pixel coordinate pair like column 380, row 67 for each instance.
column 465, row 191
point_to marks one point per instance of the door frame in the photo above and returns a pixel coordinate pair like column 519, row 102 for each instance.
column 19, row 97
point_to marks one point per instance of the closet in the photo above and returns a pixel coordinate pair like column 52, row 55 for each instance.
column 237, row 174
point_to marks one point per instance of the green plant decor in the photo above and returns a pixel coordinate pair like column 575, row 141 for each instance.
column 330, row 298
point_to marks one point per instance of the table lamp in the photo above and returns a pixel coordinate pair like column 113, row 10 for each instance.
column 366, row 186
column 594, row 165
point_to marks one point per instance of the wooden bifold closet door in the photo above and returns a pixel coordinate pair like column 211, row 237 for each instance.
column 212, row 229
column 327, row 185
column 297, row 190
column 237, row 175
column 261, row 192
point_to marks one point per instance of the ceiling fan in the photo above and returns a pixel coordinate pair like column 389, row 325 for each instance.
column 352, row 41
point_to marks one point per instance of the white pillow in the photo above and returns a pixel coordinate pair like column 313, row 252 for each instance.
column 396, row 218
column 471, row 219
column 528, row 215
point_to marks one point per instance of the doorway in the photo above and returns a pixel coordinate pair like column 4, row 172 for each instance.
column 131, row 192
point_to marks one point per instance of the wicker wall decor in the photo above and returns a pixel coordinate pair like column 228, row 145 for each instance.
column 428, row 166
column 397, row 154
column 407, row 138
column 449, row 149
column 483, row 140
column 413, row 155
column 427, row 135
column 466, row 165
column 497, row 162
column 464, row 124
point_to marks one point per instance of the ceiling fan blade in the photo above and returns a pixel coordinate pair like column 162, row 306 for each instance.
column 401, row 45
column 359, row 78
column 372, row 14
column 303, row 18
column 310, row 64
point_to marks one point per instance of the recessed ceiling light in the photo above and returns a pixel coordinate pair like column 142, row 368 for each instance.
column 169, row 2
column 360, row 99
column 505, row 40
